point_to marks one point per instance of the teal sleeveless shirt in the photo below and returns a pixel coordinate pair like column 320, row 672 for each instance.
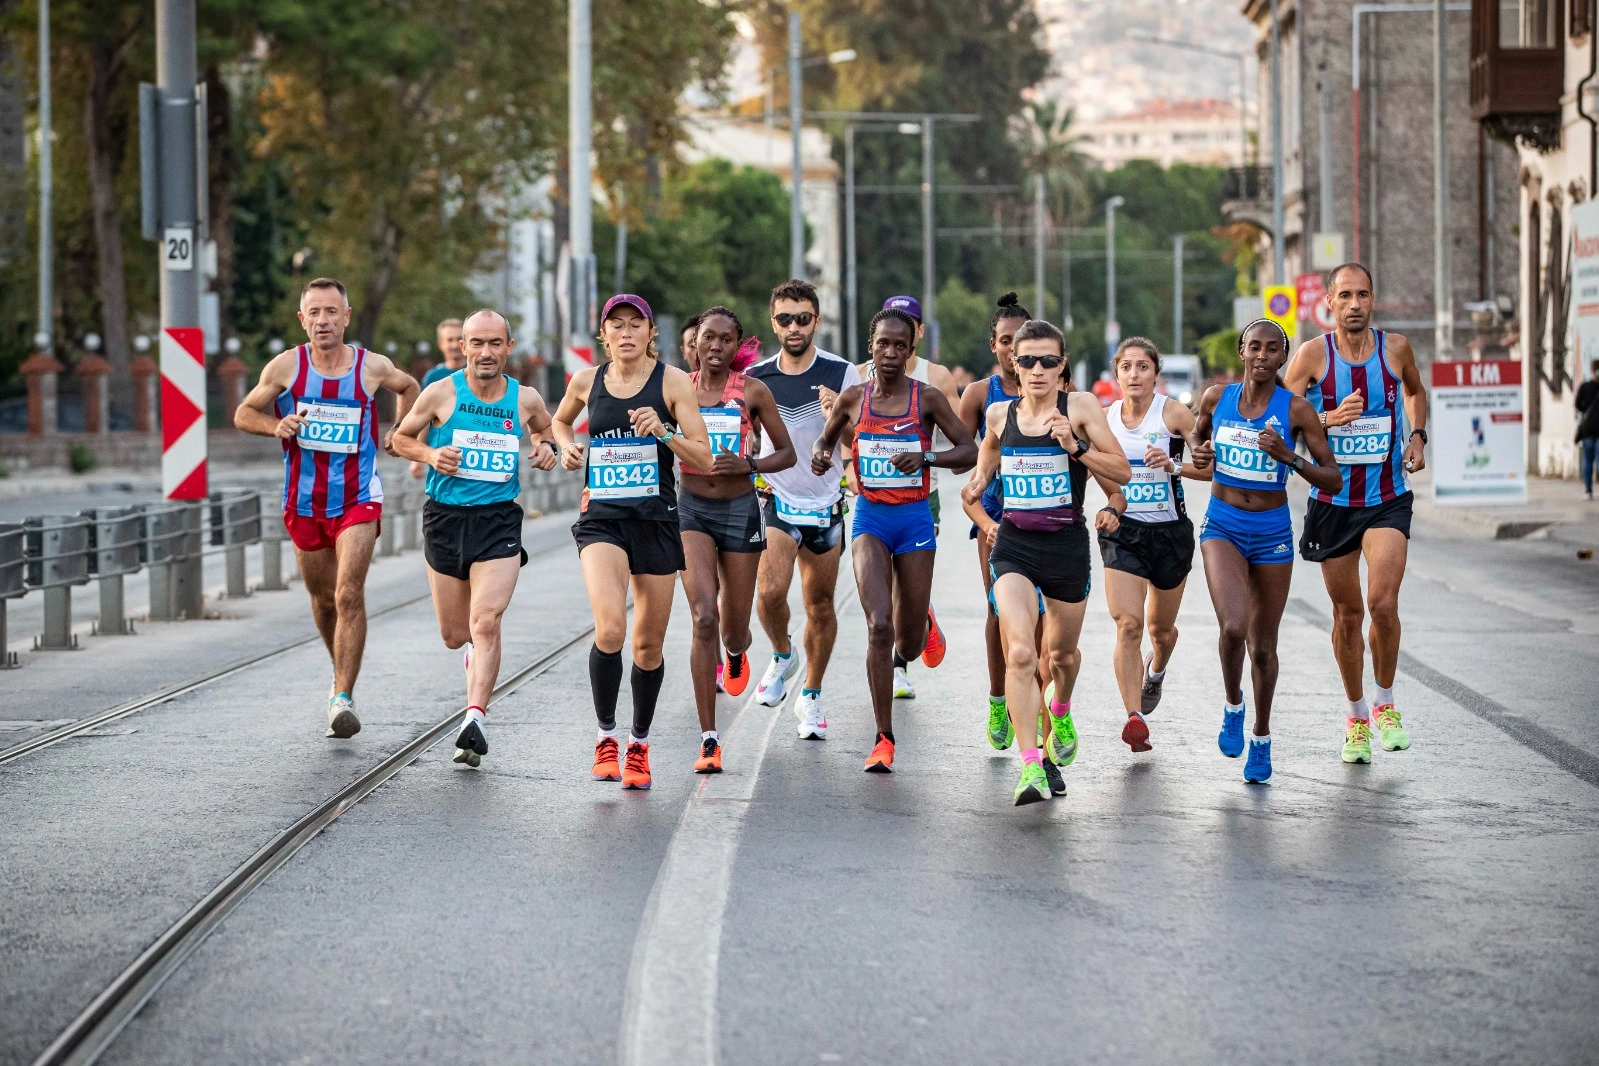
column 489, row 436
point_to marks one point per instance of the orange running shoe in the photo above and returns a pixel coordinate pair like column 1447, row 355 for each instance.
column 606, row 767
column 881, row 760
column 710, row 760
column 636, row 772
column 1135, row 734
column 737, row 673
column 933, row 653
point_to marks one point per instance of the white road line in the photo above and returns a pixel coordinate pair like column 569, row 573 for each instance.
column 669, row 1011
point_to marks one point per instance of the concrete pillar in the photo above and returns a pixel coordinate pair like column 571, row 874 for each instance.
column 232, row 373
column 146, row 375
column 94, row 370
column 41, row 370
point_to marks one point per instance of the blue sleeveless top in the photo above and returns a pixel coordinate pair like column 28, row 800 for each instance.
column 489, row 436
column 993, row 497
column 1370, row 450
column 1239, row 460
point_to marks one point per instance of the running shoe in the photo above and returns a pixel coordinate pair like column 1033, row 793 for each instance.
column 1149, row 696
column 1357, row 740
column 812, row 722
column 470, row 743
column 1135, row 734
column 933, row 651
column 1060, row 744
column 719, row 686
column 774, row 683
column 1033, row 787
column 1231, row 738
column 342, row 722
column 1391, row 733
column 736, row 678
column 881, row 760
column 1257, row 768
column 606, row 766
column 710, row 760
column 1052, row 774
column 636, row 770
column 1001, row 734
column 903, row 689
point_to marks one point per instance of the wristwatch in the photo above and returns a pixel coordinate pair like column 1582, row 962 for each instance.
column 1420, row 433
column 1298, row 464
column 928, row 457
column 1081, row 449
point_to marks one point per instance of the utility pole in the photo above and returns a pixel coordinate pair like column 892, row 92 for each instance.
column 1177, row 293
column 1113, row 328
column 1326, row 157
column 621, row 239
column 1066, row 322
column 1038, row 244
column 44, row 340
column 796, row 114
column 1277, row 222
column 580, row 122
column 1443, row 293
column 929, row 295
column 851, row 289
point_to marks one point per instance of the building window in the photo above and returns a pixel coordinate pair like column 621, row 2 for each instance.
column 1581, row 17
column 1531, row 23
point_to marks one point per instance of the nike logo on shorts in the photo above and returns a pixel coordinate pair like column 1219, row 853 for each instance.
column 923, row 543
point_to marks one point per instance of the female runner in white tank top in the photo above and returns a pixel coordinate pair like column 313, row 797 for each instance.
column 1145, row 537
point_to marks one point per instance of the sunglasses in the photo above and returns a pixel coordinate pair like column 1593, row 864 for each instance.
column 785, row 320
column 1048, row 362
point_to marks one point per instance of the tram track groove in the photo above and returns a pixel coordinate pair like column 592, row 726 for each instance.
column 89, row 1034
column 182, row 688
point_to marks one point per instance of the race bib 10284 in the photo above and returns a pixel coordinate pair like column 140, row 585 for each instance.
column 330, row 425
column 486, row 456
column 1365, row 440
column 624, row 468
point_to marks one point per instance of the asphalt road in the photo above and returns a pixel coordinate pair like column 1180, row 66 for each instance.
column 1436, row 906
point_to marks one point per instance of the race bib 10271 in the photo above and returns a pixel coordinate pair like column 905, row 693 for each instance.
column 330, row 425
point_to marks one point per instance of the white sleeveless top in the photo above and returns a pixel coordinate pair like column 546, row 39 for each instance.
column 1152, row 495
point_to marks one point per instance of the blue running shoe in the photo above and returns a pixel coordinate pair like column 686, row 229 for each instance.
column 1257, row 768
column 1231, row 738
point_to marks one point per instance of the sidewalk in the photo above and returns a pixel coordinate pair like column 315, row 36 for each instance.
column 1556, row 509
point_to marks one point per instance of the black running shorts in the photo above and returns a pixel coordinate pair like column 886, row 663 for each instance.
column 1332, row 531
column 453, row 538
column 818, row 540
column 652, row 546
column 1056, row 563
column 1160, row 552
column 735, row 525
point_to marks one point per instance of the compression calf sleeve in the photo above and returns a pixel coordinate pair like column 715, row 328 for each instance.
column 646, row 690
column 605, row 680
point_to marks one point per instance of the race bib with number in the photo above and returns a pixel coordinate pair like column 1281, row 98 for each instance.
column 818, row 518
column 1149, row 491
column 1035, row 479
column 1238, row 454
column 486, row 456
column 624, row 468
column 330, row 425
column 877, row 451
column 1365, row 440
column 722, row 423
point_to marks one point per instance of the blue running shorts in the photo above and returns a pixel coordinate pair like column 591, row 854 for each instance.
column 1259, row 536
column 903, row 527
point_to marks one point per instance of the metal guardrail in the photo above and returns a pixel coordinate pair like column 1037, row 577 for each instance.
column 52, row 553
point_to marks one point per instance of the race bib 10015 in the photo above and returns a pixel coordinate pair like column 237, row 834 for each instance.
column 1238, row 455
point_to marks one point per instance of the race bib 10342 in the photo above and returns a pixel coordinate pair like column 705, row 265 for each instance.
column 623, row 468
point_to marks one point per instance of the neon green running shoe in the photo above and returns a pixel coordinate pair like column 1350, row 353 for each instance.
column 1391, row 733
column 1033, row 787
column 1357, row 741
column 1060, row 744
column 1001, row 734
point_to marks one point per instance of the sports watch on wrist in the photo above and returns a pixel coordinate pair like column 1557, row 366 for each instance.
column 1081, row 449
column 1420, row 433
column 928, row 457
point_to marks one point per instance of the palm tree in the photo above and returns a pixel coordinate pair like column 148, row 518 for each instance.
column 1049, row 146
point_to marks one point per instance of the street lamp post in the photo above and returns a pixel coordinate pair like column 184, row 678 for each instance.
column 1443, row 298
column 580, row 144
column 1113, row 328
column 45, row 338
column 929, row 292
column 1039, row 231
column 1277, row 222
column 1177, row 292
column 851, row 292
column 796, row 110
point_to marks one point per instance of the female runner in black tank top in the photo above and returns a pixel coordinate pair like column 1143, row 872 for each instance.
column 1037, row 442
column 642, row 417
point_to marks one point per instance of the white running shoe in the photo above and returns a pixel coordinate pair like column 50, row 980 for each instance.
column 342, row 722
column 470, row 743
column 774, row 683
column 812, row 722
column 903, row 689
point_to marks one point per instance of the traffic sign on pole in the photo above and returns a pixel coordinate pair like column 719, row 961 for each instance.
column 183, row 473
column 1282, row 307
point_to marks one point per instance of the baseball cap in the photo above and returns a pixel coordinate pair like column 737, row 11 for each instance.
column 638, row 303
column 909, row 304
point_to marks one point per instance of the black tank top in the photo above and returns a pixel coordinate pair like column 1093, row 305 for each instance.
column 1030, row 475
column 620, row 479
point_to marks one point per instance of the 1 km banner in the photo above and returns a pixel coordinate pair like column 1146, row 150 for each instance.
column 1478, row 453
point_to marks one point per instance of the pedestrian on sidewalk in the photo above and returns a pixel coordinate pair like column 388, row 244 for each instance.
column 1588, row 425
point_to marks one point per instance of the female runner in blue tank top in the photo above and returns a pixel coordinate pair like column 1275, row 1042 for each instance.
column 1248, row 537
column 1009, row 316
column 472, row 423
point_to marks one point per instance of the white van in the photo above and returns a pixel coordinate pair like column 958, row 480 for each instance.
column 1181, row 377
